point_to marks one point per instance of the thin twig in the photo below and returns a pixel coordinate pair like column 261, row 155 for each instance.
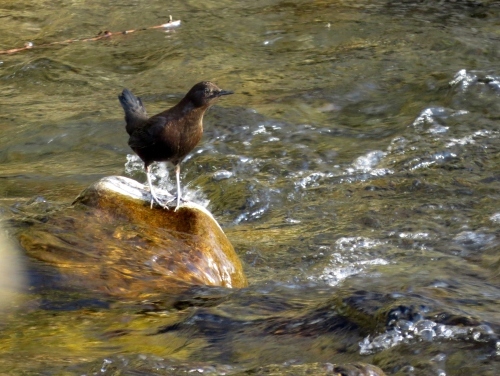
column 102, row 35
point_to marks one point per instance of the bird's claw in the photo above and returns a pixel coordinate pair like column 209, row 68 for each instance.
column 179, row 203
column 165, row 205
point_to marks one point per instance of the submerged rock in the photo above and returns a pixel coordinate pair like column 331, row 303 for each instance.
column 111, row 240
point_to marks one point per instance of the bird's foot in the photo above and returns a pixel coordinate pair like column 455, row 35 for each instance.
column 179, row 203
column 164, row 205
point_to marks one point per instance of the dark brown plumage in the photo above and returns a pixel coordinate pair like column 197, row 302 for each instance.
column 170, row 135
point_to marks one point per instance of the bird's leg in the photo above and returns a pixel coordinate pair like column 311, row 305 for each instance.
column 178, row 179
column 153, row 196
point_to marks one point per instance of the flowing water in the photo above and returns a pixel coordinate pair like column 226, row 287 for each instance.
column 356, row 171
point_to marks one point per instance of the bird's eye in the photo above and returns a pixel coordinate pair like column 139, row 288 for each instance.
column 207, row 91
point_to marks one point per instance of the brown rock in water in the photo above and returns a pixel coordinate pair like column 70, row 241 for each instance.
column 112, row 241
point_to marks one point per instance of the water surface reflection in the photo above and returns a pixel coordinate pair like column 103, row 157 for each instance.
column 356, row 173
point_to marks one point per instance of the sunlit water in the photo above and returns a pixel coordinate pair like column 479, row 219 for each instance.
column 356, row 171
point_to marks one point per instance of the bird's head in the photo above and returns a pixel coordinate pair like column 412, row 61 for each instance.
column 205, row 94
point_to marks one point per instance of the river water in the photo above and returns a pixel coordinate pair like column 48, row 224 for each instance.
column 356, row 171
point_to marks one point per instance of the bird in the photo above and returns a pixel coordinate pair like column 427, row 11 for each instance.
column 170, row 135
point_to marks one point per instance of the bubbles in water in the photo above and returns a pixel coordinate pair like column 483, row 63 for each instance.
column 438, row 158
column 257, row 210
column 366, row 164
column 432, row 118
column 350, row 259
column 196, row 196
column 473, row 240
column 429, row 116
column 369, row 161
column 261, row 129
column 133, row 164
column 404, row 331
column 310, row 180
column 159, row 171
column 493, row 82
column 160, row 178
column 482, row 333
column 333, row 276
column 105, row 365
column 398, row 146
column 414, row 235
column 495, row 218
column 463, row 79
column 353, row 243
column 381, row 342
column 221, row 175
column 469, row 139
column 362, row 168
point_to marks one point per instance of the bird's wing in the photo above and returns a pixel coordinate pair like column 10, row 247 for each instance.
column 148, row 134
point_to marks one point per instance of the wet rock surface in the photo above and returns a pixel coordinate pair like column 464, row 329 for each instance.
column 111, row 240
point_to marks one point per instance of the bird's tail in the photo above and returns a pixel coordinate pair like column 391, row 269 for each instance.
column 135, row 113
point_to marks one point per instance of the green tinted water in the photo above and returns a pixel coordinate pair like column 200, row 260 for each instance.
column 357, row 181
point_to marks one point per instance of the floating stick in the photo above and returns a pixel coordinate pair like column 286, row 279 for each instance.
column 102, row 35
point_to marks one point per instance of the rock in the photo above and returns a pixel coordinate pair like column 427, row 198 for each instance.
column 111, row 240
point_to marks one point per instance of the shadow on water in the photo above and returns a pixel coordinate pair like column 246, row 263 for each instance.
column 356, row 172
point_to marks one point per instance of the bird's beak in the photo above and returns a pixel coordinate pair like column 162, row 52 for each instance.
column 225, row 92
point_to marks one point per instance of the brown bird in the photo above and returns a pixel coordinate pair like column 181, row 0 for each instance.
column 170, row 135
